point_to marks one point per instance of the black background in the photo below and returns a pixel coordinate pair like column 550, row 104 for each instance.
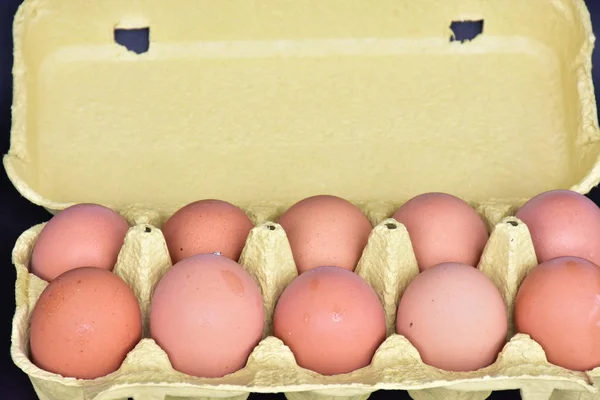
column 17, row 215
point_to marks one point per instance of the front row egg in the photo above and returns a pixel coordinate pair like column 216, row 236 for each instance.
column 454, row 316
column 558, row 306
column 331, row 319
column 84, row 324
column 207, row 314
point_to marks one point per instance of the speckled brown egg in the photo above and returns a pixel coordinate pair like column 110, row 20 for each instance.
column 207, row 226
column 326, row 230
column 331, row 319
column 558, row 305
column 207, row 314
column 563, row 223
column 84, row 235
column 454, row 316
column 84, row 324
column 443, row 228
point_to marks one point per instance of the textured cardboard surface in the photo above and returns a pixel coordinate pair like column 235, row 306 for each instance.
column 263, row 104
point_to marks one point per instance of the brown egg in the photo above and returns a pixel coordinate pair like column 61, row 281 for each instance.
column 84, row 324
column 331, row 319
column 84, row 235
column 326, row 230
column 558, row 305
column 207, row 314
column 207, row 226
column 563, row 223
column 454, row 316
column 443, row 228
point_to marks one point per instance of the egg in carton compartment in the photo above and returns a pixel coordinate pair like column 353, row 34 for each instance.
column 388, row 264
column 262, row 105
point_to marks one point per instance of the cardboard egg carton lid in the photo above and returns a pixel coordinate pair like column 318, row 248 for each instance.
column 270, row 102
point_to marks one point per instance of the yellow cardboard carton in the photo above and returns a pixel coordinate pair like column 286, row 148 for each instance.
column 264, row 103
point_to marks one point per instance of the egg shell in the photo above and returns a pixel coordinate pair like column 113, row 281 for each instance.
column 84, row 324
column 331, row 319
column 207, row 226
column 84, row 235
column 326, row 230
column 443, row 228
column 207, row 314
column 388, row 264
column 563, row 223
column 558, row 305
column 455, row 316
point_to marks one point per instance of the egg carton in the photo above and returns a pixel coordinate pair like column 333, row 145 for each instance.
column 303, row 84
column 388, row 264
